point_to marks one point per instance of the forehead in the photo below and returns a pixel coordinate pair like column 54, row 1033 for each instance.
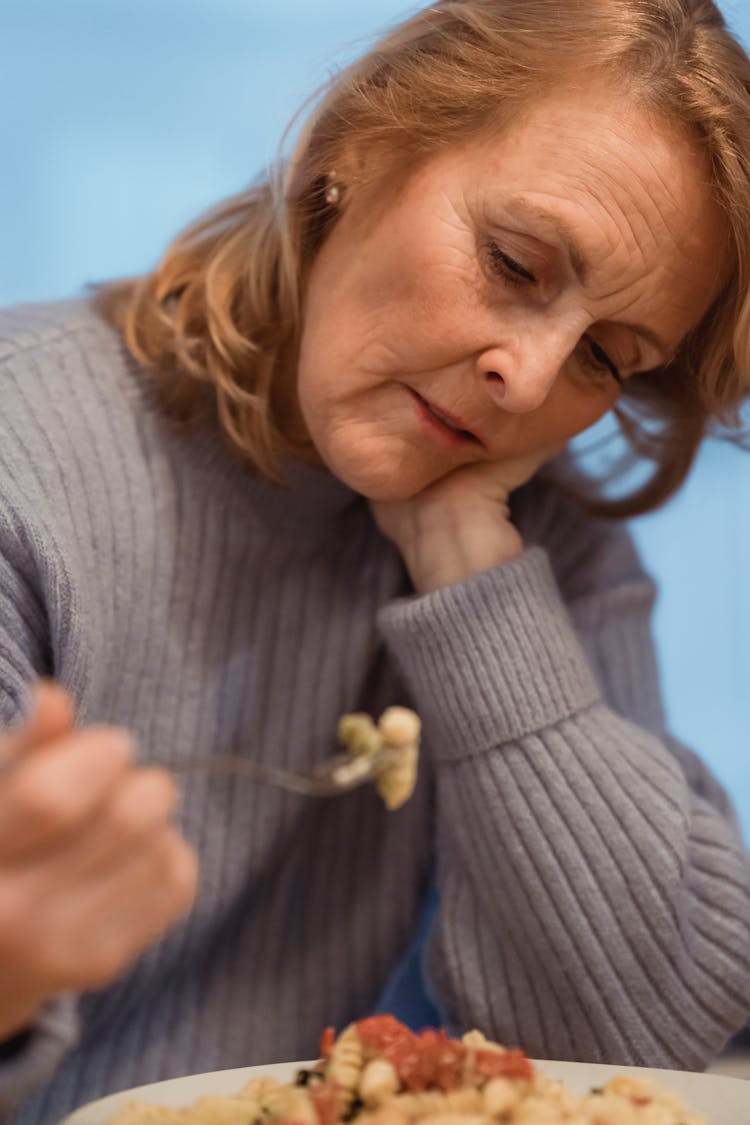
column 603, row 160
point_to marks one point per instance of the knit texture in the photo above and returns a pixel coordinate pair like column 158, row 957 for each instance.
column 594, row 893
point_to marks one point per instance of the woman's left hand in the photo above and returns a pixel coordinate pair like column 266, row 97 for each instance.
column 460, row 525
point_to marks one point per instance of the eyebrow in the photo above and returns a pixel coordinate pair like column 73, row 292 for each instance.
column 580, row 266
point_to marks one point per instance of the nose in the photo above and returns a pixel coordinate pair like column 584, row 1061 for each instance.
column 520, row 379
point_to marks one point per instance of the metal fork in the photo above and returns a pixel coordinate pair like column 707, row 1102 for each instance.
column 330, row 777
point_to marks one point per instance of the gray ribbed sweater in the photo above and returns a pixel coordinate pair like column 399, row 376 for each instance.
column 594, row 895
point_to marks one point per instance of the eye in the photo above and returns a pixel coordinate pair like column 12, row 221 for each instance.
column 597, row 360
column 507, row 268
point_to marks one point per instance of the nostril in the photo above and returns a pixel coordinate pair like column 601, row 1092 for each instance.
column 496, row 378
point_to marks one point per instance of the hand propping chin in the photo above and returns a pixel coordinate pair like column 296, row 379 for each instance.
column 460, row 525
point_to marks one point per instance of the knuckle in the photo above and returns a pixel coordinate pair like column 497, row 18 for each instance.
column 125, row 819
column 162, row 788
column 113, row 746
column 143, row 802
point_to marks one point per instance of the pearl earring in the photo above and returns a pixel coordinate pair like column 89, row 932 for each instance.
column 333, row 191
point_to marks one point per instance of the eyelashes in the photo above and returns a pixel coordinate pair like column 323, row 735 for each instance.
column 601, row 357
column 505, row 267
column 513, row 273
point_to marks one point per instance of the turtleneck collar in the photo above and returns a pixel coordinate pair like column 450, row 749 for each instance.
column 308, row 506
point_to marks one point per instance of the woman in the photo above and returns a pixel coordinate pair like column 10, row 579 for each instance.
column 482, row 245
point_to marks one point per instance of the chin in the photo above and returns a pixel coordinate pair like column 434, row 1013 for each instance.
column 376, row 475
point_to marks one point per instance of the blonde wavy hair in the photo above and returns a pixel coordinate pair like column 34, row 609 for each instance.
column 220, row 316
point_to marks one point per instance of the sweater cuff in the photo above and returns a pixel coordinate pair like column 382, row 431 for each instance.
column 54, row 1032
column 491, row 659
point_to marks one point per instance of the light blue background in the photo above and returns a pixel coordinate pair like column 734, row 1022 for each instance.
column 122, row 119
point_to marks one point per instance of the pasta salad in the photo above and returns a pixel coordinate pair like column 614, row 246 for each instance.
column 378, row 1072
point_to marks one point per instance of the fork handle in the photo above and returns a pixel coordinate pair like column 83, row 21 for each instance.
column 225, row 765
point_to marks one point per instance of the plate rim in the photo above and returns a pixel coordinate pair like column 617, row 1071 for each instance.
column 93, row 1112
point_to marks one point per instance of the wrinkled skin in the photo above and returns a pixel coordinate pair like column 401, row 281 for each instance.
column 454, row 290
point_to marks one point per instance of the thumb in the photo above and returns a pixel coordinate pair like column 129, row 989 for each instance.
column 50, row 714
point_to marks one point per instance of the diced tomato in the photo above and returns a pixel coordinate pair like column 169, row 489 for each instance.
column 502, row 1064
column 326, row 1100
column 431, row 1060
column 396, row 1043
column 327, row 1040
column 388, row 1037
column 440, row 1061
column 425, row 1061
column 383, row 1031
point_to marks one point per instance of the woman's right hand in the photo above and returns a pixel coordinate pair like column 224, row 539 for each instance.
column 92, row 869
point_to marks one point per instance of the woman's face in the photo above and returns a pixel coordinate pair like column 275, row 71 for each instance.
column 487, row 309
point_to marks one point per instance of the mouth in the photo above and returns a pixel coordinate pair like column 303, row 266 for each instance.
column 442, row 424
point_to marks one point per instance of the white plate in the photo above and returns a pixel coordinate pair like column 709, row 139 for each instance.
column 722, row 1101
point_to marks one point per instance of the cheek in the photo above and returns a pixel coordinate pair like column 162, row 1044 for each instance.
column 321, row 360
column 321, row 420
column 314, row 388
column 588, row 415
column 571, row 410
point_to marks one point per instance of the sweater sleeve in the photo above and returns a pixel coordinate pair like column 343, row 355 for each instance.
column 53, row 1033
column 24, row 655
column 594, row 891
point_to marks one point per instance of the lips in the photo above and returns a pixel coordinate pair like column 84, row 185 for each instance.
column 450, row 424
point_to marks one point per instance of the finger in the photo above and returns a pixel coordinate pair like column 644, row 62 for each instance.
column 158, row 889
column 140, row 808
column 47, row 797
column 96, row 932
column 50, row 714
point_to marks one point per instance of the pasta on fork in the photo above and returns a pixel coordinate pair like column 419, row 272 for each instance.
column 397, row 730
